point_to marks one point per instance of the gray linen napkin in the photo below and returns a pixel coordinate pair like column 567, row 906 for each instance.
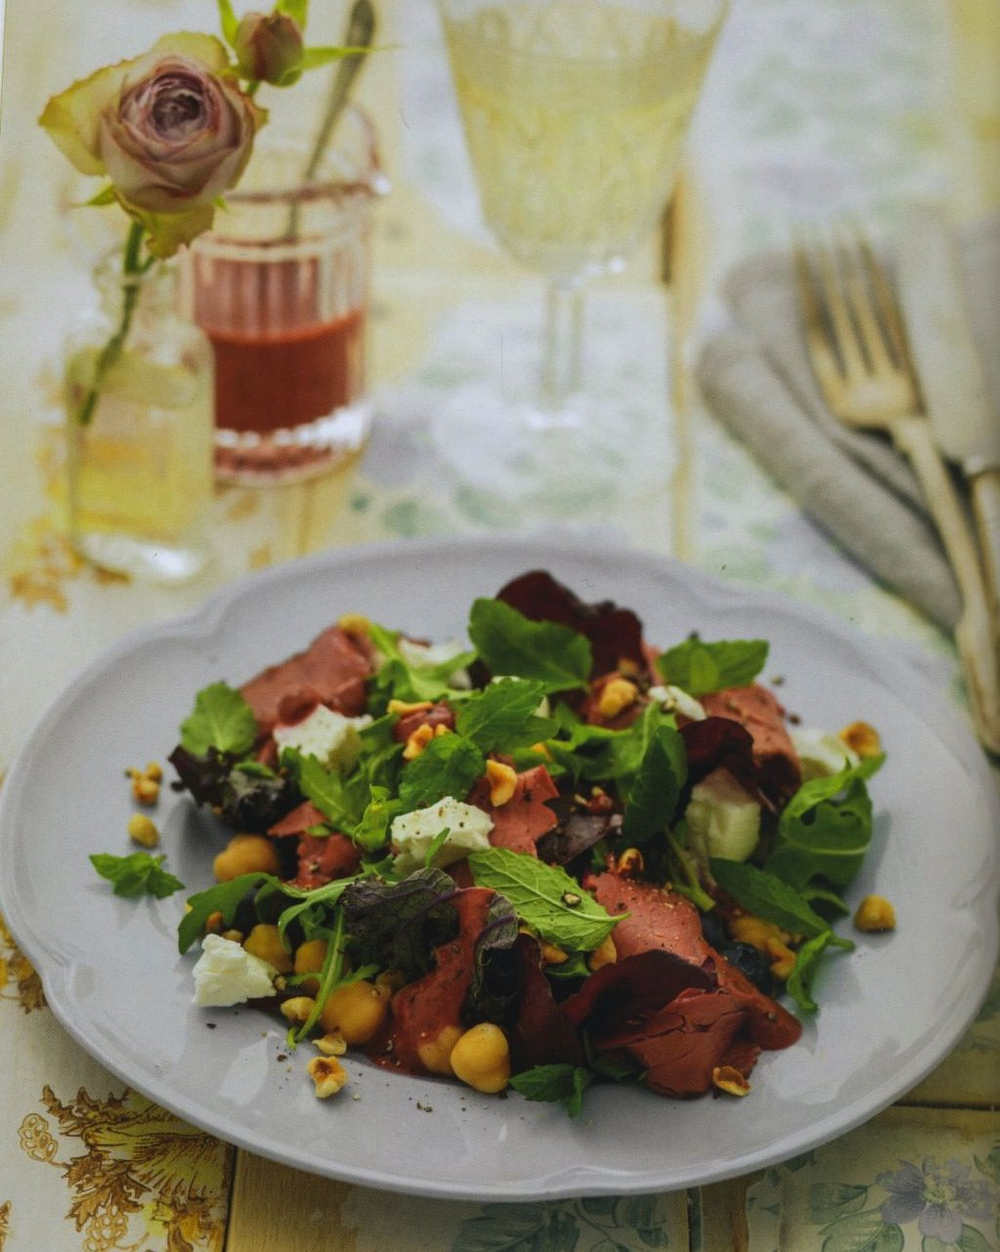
column 756, row 379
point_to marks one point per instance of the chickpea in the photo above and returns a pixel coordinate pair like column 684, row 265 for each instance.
column 357, row 1011
column 245, row 854
column 265, row 941
column 142, row 830
column 481, row 1058
column 874, row 914
column 435, row 1054
column 309, row 958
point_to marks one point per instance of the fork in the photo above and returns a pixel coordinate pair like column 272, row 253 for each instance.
column 857, row 346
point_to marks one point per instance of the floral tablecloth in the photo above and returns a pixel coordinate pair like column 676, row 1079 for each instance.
column 811, row 109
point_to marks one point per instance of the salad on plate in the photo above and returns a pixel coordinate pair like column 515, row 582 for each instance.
column 557, row 855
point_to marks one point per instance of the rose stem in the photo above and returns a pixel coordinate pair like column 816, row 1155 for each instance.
column 360, row 28
column 112, row 349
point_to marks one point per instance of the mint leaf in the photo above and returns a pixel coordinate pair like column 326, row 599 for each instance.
column 699, row 668
column 502, row 717
column 448, row 766
column 560, row 1083
column 768, row 896
column 657, row 788
column 137, row 874
column 545, row 897
column 617, row 755
column 825, row 828
column 224, row 898
column 222, row 719
column 510, row 643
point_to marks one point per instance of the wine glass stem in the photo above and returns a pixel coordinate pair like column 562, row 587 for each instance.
column 563, row 343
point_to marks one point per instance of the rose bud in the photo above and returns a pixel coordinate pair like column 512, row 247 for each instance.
column 269, row 48
column 176, row 138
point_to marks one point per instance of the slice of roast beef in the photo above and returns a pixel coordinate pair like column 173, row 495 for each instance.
column 332, row 670
column 779, row 770
column 521, row 822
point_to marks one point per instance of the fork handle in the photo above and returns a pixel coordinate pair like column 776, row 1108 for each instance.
column 974, row 634
column 985, row 488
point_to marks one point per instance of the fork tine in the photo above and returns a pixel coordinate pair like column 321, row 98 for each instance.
column 845, row 336
column 859, row 301
column 826, row 367
column 885, row 300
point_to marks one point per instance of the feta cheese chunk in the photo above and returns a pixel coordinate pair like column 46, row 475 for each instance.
column 226, row 974
column 675, row 700
column 329, row 736
column 723, row 817
column 413, row 833
column 821, row 752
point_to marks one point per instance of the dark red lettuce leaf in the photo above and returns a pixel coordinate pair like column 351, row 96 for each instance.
column 631, row 989
column 542, row 1033
column 614, row 633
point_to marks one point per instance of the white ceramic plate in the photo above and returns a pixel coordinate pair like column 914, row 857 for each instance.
column 890, row 1010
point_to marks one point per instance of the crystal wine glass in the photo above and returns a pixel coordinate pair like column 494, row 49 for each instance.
column 575, row 114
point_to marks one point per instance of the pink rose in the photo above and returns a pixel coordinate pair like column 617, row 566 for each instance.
column 171, row 130
column 176, row 138
column 269, row 48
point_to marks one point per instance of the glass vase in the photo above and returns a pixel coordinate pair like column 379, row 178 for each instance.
column 280, row 287
column 139, row 429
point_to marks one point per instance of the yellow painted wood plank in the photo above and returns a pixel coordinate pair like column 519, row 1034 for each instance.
column 277, row 1209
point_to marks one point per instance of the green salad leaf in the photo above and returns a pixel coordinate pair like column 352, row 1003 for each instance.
column 137, row 874
column 800, row 980
column 700, row 668
column 546, row 898
column 224, row 898
column 448, row 766
column 221, row 719
column 400, row 679
column 511, row 644
column 560, row 1083
column 825, row 829
column 770, row 897
column 502, row 717
column 657, row 787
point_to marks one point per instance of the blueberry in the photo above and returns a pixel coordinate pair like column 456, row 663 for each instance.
column 752, row 963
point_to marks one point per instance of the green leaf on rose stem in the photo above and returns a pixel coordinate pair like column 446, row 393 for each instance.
column 510, row 643
column 560, row 1083
column 136, row 875
column 224, row 898
column 700, row 668
column 169, row 231
column 765, row 895
column 105, row 196
column 222, row 719
column 314, row 58
column 228, row 21
column 546, row 898
column 297, row 10
column 448, row 766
